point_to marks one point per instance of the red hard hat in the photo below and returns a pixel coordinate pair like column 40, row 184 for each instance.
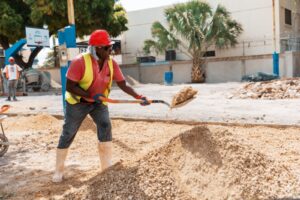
column 11, row 59
column 100, row 38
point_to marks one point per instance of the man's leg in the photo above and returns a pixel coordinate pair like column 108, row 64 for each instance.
column 100, row 116
column 10, row 85
column 14, row 89
column 74, row 116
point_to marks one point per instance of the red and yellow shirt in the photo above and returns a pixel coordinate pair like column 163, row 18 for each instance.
column 101, row 77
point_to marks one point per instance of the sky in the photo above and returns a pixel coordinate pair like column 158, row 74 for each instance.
column 131, row 5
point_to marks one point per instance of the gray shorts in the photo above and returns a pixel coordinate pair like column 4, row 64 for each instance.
column 74, row 116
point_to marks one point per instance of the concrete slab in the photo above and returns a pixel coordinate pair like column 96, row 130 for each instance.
column 211, row 105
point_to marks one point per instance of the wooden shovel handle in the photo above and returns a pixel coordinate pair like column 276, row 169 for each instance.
column 130, row 101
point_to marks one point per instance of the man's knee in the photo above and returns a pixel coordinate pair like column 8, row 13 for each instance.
column 104, row 131
column 65, row 140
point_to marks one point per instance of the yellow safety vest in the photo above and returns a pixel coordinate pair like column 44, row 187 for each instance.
column 87, row 79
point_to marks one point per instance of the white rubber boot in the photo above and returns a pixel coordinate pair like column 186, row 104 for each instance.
column 61, row 155
column 105, row 154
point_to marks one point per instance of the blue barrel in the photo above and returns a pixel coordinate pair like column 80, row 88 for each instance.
column 169, row 78
column 276, row 63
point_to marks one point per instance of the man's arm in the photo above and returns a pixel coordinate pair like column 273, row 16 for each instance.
column 127, row 89
column 4, row 71
column 74, row 88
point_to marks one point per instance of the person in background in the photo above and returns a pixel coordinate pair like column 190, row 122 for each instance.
column 12, row 74
column 89, row 76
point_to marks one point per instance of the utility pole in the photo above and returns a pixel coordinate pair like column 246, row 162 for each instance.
column 275, row 54
column 67, row 47
column 71, row 17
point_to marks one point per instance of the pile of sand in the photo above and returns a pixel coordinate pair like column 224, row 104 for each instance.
column 276, row 89
column 34, row 122
column 194, row 165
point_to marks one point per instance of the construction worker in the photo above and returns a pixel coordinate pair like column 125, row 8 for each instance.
column 12, row 74
column 89, row 76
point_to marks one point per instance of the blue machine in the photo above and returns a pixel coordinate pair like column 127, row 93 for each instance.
column 11, row 51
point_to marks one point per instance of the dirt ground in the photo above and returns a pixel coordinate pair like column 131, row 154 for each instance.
column 153, row 160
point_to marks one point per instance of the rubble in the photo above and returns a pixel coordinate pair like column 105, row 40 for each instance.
column 275, row 89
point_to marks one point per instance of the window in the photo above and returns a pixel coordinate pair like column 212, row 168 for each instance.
column 209, row 54
column 288, row 16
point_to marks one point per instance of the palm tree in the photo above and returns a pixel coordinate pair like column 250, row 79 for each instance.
column 193, row 27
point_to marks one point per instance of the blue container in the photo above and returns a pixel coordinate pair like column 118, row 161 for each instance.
column 168, row 78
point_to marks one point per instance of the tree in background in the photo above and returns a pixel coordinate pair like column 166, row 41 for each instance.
column 49, row 60
column 15, row 15
column 193, row 28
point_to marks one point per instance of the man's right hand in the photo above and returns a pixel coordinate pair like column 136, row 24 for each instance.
column 145, row 100
column 97, row 99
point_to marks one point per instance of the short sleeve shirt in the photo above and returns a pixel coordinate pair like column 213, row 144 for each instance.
column 101, row 77
column 13, row 70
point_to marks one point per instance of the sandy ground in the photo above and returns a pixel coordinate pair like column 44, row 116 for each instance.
column 155, row 159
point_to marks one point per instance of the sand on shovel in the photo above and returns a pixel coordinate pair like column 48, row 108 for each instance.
column 183, row 97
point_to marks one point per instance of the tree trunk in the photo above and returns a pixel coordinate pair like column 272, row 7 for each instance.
column 26, row 65
column 4, row 42
column 198, row 72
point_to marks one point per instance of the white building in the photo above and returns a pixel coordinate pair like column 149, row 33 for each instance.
column 258, row 41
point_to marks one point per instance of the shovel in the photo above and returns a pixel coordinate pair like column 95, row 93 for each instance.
column 4, row 108
column 180, row 99
column 131, row 101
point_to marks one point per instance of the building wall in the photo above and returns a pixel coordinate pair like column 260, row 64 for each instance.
column 255, row 16
column 294, row 29
column 290, row 34
column 133, row 71
column 182, row 72
column 153, row 74
column 218, row 70
column 139, row 25
column 292, row 63
column 256, row 19
column 296, row 64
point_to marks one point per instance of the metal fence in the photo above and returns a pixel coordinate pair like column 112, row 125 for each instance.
column 290, row 44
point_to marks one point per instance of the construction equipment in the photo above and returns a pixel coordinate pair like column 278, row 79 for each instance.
column 36, row 80
column 4, row 144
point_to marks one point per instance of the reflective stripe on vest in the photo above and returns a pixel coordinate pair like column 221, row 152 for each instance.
column 87, row 79
column 7, row 72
